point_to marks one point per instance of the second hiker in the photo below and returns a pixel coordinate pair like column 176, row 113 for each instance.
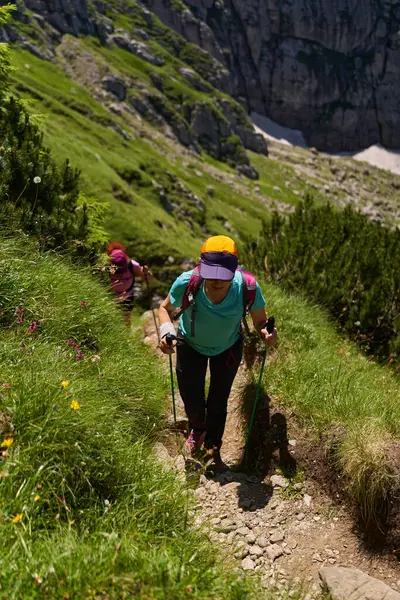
column 212, row 299
column 123, row 272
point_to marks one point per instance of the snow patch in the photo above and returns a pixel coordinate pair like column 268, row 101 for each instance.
column 277, row 133
column 380, row 157
column 375, row 155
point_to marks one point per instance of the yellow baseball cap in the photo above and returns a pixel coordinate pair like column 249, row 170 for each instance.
column 219, row 258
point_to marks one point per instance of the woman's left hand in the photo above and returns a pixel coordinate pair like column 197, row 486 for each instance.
column 269, row 339
column 147, row 274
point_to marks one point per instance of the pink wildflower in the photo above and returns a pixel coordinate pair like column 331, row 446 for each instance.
column 33, row 327
column 76, row 346
column 20, row 315
column 84, row 303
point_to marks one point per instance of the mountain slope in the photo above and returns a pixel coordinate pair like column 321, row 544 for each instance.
column 142, row 113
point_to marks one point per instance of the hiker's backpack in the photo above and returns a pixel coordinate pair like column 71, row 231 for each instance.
column 194, row 285
column 122, row 278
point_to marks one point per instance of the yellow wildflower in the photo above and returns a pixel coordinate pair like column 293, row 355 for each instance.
column 7, row 442
column 36, row 498
column 17, row 518
column 64, row 384
column 75, row 405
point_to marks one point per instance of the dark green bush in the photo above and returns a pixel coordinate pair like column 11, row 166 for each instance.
column 36, row 195
column 344, row 262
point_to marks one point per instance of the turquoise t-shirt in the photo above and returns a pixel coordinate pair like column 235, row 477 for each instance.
column 217, row 326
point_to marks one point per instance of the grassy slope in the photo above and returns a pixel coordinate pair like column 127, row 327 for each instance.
column 97, row 515
column 78, row 127
column 338, row 393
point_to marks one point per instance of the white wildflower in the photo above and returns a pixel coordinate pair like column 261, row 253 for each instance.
column 37, row 180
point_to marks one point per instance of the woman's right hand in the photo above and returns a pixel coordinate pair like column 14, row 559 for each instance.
column 168, row 348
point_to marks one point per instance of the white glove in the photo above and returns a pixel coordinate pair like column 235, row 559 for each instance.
column 167, row 328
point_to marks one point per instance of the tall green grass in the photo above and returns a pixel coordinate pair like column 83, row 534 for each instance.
column 85, row 511
column 337, row 392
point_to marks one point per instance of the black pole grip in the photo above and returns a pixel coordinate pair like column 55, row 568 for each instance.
column 169, row 339
column 271, row 324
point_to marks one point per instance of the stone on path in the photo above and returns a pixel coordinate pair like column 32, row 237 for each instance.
column 262, row 541
column 242, row 552
column 277, row 536
column 279, row 481
column 227, row 525
column 274, row 552
column 307, row 500
column 243, row 531
column 248, row 564
column 256, row 551
column 344, row 583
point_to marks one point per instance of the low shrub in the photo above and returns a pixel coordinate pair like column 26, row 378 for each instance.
column 344, row 262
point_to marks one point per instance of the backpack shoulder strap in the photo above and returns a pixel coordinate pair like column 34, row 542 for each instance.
column 249, row 296
column 189, row 297
column 192, row 288
column 132, row 272
column 249, row 290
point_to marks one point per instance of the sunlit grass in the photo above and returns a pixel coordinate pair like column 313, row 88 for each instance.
column 84, row 508
column 337, row 392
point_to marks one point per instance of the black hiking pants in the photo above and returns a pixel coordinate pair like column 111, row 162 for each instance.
column 191, row 367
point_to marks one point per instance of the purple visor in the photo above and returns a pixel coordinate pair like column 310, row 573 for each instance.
column 218, row 265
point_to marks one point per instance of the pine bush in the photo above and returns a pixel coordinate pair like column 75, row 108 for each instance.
column 344, row 262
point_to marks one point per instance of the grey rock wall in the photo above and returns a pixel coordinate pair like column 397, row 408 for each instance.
column 328, row 67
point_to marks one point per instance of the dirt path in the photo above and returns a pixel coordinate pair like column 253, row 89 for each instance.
column 286, row 529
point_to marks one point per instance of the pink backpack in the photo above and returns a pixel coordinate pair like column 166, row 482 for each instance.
column 122, row 275
column 194, row 285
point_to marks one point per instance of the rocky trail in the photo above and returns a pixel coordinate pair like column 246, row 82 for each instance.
column 291, row 530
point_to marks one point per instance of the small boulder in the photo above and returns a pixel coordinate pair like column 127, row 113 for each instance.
column 278, row 481
column 252, row 141
column 194, row 80
column 262, row 541
column 277, row 536
column 248, row 564
column 115, row 85
column 227, row 525
column 248, row 171
column 273, row 552
column 256, row 551
column 343, row 583
column 139, row 49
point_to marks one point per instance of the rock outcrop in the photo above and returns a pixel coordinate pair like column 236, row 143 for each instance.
column 343, row 583
column 331, row 69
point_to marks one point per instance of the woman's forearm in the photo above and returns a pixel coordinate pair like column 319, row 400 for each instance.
column 165, row 311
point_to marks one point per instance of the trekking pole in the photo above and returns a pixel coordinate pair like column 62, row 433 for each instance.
column 169, row 339
column 151, row 307
column 270, row 329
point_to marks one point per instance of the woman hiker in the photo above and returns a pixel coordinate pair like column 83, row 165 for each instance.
column 211, row 299
column 123, row 272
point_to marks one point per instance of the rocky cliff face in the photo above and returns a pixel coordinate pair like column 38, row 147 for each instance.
column 328, row 67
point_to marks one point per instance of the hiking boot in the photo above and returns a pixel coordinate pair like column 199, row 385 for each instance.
column 194, row 441
column 215, row 462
